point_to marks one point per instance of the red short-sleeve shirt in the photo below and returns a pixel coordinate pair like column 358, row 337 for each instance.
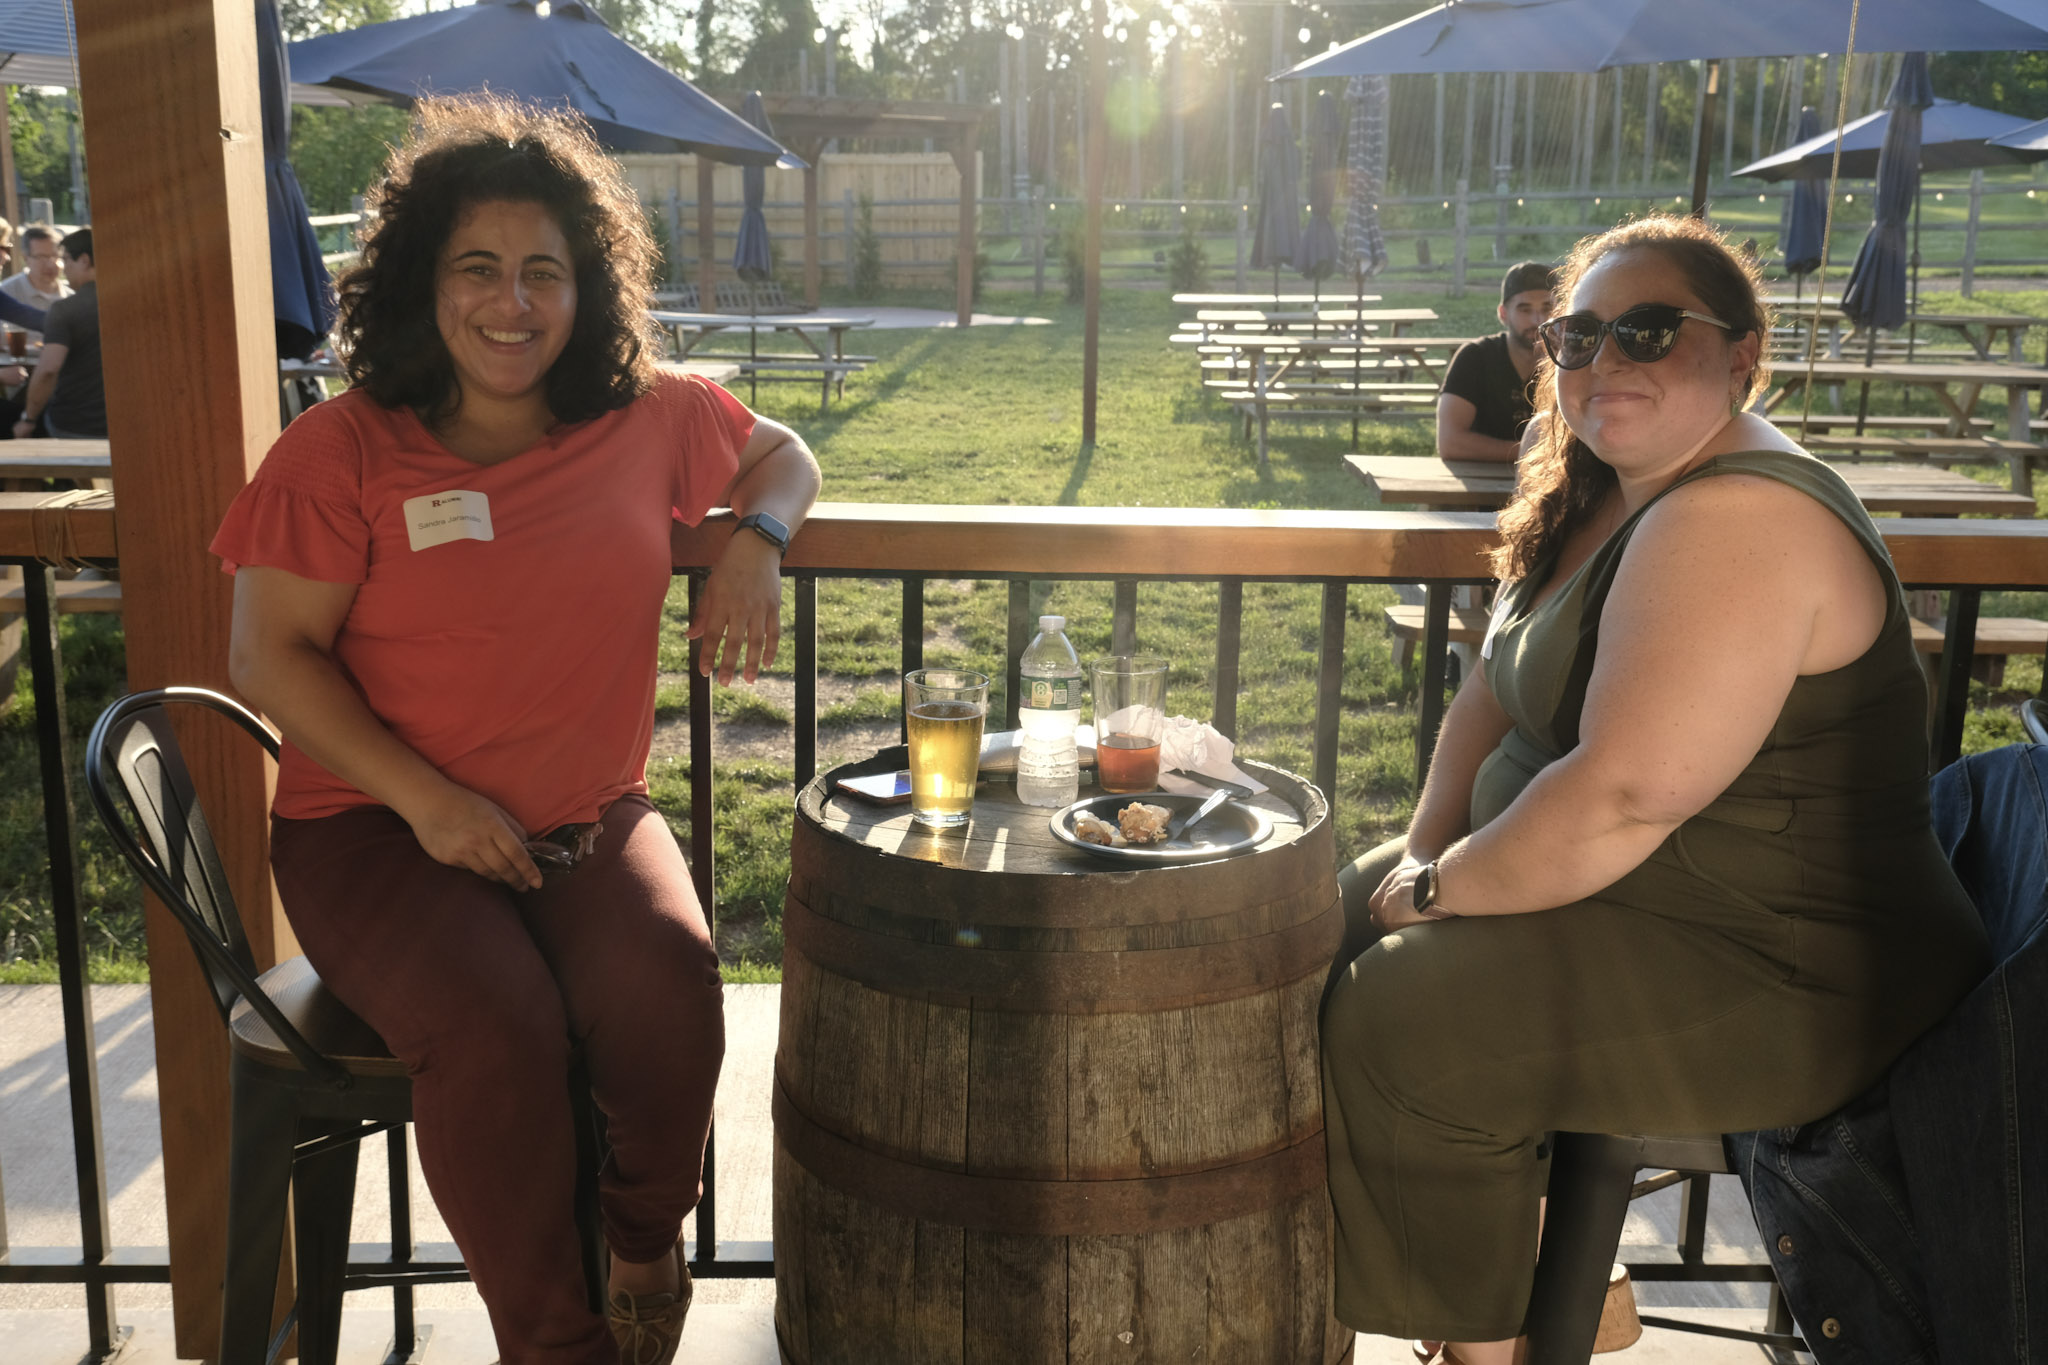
column 506, row 621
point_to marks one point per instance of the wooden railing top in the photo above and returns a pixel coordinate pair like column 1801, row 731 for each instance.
column 961, row 541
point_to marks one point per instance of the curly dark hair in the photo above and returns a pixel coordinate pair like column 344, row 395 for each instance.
column 476, row 149
column 1561, row 482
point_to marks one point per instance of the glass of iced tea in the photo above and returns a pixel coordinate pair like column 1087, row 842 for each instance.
column 943, row 711
column 1130, row 717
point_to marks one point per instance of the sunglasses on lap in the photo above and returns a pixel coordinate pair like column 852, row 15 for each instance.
column 1645, row 333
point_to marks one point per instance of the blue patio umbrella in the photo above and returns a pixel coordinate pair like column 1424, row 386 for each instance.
column 1591, row 35
column 2030, row 141
column 1315, row 255
column 1277, row 212
column 1953, row 137
column 301, row 293
column 560, row 54
column 35, row 43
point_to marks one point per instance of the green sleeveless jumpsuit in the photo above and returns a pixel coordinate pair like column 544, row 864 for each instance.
column 1762, row 967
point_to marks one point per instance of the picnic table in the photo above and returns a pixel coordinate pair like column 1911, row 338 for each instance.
column 827, row 359
column 1911, row 490
column 1311, row 321
column 1333, row 382
column 1980, row 330
column 1268, row 300
column 1956, row 387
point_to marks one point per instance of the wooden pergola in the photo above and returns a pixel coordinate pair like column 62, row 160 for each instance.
column 805, row 123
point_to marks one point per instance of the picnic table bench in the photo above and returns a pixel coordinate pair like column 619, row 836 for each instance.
column 1200, row 300
column 1981, row 331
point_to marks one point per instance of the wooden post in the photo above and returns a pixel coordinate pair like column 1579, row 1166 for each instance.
column 1471, row 114
column 964, row 156
column 814, row 265
column 1460, row 242
column 1230, row 136
column 1614, row 175
column 1096, row 164
column 8, row 205
column 1703, row 133
column 1969, row 283
column 1650, row 128
column 707, row 239
column 177, row 137
column 1244, row 235
column 1756, row 121
column 1436, row 174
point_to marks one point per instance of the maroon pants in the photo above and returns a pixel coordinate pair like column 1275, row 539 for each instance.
column 482, row 991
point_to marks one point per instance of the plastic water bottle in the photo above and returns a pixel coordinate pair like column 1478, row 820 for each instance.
column 1048, row 765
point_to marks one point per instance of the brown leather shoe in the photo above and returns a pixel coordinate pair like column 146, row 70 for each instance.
column 649, row 1327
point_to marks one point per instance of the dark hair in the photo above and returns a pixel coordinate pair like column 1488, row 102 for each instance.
column 36, row 232
column 1524, row 276
column 479, row 149
column 1561, row 482
column 77, row 244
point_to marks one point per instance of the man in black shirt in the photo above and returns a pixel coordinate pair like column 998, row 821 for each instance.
column 1485, row 400
column 66, row 391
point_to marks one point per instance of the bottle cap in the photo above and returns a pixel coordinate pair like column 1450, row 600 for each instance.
column 1048, row 625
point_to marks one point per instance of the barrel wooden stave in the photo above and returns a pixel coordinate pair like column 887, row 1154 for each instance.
column 1247, row 1291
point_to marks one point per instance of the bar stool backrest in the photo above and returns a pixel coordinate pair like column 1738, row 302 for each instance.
column 136, row 776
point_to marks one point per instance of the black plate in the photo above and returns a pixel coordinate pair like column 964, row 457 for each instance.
column 1231, row 828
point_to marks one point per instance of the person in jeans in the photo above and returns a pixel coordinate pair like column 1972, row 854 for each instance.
column 1673, row 869
column 449, row 590
column 67, row 393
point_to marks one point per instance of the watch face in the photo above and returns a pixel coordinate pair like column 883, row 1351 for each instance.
column 768, row 528
column 1425, row 886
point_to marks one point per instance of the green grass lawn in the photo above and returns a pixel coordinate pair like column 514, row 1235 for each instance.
column 990, row 415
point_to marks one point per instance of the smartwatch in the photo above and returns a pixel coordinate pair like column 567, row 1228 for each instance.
column 1426, row 885
column 768, row 528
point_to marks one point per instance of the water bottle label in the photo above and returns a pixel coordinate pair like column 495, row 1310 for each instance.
column 1048, row 695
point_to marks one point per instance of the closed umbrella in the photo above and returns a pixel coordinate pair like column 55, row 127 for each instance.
column 1365, row 247
column 1876, row 293
column 1315, row 255
column 302, row 294
column 1277, row 219
column 561, row 53
column 752, row 258
column 1806, row 211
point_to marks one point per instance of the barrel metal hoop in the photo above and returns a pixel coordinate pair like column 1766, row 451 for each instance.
column 1028, row 982
column 1049, row 1208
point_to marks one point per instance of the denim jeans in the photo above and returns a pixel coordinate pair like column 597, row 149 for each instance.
column 1912, row 1224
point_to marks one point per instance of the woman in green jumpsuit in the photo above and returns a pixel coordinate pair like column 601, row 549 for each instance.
column 1696, row 745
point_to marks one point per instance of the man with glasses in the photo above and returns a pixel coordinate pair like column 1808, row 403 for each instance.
column 41, row 283
column 66, row 394
column 1485, row 403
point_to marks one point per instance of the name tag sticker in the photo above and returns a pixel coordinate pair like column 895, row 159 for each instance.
column 437, row 518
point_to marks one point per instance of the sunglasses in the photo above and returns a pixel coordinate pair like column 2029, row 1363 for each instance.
column 1645, row 333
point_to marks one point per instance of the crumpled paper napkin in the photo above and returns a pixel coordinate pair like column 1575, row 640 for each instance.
column 1194, row 746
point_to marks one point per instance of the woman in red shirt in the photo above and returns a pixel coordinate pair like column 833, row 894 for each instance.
column 448, row 596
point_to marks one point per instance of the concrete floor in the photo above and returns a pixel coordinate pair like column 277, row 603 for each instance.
column 732, row 1322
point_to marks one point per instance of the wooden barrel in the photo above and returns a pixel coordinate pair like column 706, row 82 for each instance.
column 1033, row 1106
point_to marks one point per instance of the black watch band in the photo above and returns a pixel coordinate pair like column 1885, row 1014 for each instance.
column 768, row 528
column 1426, row 886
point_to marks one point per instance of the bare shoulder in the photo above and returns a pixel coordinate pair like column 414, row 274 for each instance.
column 1728, row 512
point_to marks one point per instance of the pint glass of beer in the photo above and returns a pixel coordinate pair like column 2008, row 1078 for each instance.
column 943, row 709
column 1130, row 719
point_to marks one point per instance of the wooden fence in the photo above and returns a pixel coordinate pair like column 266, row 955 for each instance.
column 916, row 212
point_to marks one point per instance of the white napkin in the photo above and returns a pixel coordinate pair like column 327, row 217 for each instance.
column 1193, row 746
